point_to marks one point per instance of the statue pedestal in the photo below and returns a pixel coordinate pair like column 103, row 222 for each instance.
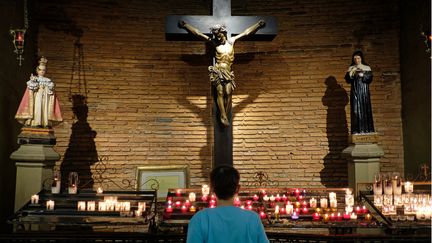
column 34, row 159
column 363, row 155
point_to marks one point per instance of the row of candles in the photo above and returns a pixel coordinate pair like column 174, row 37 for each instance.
column 391, row 184
column 109, row 204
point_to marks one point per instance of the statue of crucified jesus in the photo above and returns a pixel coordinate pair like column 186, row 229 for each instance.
column 221, row 75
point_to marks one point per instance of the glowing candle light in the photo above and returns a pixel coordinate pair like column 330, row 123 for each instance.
column 294, row 216
column 192, row 209
column 187, row 203
column 255, row 197
column 81, row 206
column 178, row 192
column 99, row 190
column 278, row 198
column 262, row 215
column 91, row 206
column 192, row 197
column 409, row 187
column 326, row 217
column 169, row 209
column 313, row 203
column 34, row 199
column 316, row 217
column 368, row 217
column 284, row 198
column 50, row 205
column 142, row 206
column 353, row 216
column 346, row 216
column 237, row 201
column 323, row 202
column 184, row 209
column 305, row 210
column 178, row 204
column 205, row 190
column 272, row 198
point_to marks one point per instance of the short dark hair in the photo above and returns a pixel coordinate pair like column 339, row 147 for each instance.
column 224, row 181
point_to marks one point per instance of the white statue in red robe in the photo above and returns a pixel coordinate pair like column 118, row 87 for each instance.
column 39, row 106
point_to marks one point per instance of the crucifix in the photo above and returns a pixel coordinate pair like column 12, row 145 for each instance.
column 225, row 30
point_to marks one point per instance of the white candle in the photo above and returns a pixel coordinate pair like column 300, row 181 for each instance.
column 313, row 203
column 332, row 195
column 55, row 187
column 289, row 209
column 349, row 200
column 102, row 206
column 205, row 189
column 73, row 189
column 409, row 187
column 349, row 209
column 397, row 185
column 266, row 198
column 91, row 206
column 388, row 187
column 50, row 205
column 277, row 209
column 81, row 206
column 272, row 198
column 142, row 206
column 378, row 188
column 34, row 199
column 192, row 197
column 99, row 190
column 378, row 200
column 138, row 213
column 353, row 216
column 323, row 202
column 333, row 203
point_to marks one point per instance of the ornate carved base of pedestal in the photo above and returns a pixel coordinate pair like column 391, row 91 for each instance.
column 363, row 158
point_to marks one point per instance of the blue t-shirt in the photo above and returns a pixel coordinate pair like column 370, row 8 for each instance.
column 227, row 224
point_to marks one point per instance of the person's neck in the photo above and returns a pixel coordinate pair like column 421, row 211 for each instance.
column 222, row 202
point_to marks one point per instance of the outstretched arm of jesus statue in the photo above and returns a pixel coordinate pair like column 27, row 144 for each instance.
column 249, row 31
column 191, row 29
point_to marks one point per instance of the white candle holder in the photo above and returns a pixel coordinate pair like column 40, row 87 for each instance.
column 50, row 205
column 34, row 199
column 409, row 187
column 91, row 206
column 192, row 197
column 205, row 190
column 81, row 206
column 323, row 202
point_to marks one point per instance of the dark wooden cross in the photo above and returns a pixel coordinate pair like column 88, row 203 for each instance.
column 223, row 142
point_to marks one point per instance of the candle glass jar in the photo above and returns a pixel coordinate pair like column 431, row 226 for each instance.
column 73, row 182
column 56, row 183
column 378, row 184
column 396, row 183
column 388, row 187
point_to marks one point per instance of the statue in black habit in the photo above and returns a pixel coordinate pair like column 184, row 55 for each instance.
column 359, row 75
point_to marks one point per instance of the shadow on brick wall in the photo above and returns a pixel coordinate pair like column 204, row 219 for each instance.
column 81, row 153
column 335, row 98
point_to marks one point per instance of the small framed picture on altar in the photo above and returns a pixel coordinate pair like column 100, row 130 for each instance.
column 163, row 177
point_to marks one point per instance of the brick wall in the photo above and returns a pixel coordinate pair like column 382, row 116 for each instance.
column 148, row 99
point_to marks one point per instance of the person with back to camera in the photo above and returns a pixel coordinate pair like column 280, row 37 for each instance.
column 226, row 223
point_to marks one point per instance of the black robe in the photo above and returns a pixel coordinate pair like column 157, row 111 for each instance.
column 361, row 109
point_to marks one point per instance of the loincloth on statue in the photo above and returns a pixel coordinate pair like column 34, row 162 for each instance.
column 221, row 76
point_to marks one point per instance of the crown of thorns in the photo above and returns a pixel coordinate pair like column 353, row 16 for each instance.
column 218, row 28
